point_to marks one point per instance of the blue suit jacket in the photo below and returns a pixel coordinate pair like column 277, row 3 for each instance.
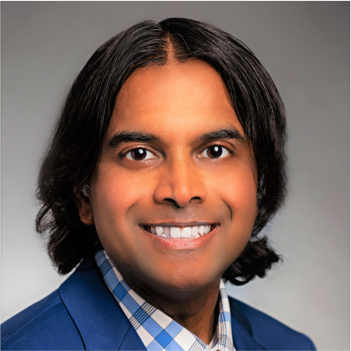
column 83, row 315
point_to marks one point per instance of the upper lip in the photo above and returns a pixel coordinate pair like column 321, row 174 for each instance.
column 178, row 224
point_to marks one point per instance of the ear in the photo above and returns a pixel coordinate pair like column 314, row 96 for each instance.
column 84, row 208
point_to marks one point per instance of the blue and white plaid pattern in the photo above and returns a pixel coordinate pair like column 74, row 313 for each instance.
column 157, row 330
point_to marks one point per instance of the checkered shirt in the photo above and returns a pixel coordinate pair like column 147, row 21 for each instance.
column 157, row 330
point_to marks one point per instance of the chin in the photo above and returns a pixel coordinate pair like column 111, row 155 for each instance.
column 183, row 279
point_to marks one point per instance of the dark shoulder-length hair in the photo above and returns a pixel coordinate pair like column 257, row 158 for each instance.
column 77, row 141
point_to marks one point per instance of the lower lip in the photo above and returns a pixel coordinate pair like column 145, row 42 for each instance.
column 163, row 243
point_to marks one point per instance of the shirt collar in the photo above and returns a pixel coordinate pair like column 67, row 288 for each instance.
column 157, row 330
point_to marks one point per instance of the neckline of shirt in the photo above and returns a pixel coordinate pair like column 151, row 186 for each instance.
column 157, row 330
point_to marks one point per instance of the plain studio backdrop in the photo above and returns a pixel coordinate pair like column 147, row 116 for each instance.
column 305, row 48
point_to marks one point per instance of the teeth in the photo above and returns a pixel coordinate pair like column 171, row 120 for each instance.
column 194, row 232
column 159, row 230
column 175, row 232
column 184, row 232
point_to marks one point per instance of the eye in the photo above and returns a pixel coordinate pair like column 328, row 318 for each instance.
column 215, row 151
column 139, row 154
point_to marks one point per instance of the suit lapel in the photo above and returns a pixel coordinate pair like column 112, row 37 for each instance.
column 242, row 330
column 96, row 314
column 103, row 325
column 242, row 339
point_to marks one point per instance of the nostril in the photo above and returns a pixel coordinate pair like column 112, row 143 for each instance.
column 175, row 203
column 172, row 201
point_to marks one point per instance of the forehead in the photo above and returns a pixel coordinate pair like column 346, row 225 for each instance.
column 188, row 93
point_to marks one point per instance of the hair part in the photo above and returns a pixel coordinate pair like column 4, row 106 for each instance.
column 81, row 129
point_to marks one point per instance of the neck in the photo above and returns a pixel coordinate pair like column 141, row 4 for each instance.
column 196, row 310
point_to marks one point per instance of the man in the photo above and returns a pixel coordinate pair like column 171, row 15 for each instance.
column 166, row 163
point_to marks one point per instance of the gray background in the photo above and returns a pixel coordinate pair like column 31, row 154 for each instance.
column 304, row 46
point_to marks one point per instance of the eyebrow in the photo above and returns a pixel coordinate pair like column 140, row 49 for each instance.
column 127, row 136
column 227, row 133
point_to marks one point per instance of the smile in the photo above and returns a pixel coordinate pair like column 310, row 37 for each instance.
column 194, row 231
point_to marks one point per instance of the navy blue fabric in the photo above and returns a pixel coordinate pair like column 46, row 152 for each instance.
column 46, row 325
column 83, row 315
column 265, row 330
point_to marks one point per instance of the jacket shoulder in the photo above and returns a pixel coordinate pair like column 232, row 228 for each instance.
column 269, row 332
column 45, row 325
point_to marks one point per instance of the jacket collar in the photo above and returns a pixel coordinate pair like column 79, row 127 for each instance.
column 242, row 330
column 103, row 325
column 99, row 319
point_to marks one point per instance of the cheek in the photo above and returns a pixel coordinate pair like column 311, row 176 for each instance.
column 241, row 196
column 113, row 195
column 239, row 191
column 115, row 192
column 237, row 187
column 242, row 199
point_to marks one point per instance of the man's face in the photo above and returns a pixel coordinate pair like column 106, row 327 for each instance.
column 174, row 160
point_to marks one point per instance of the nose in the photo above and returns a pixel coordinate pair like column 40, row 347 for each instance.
column 180, row 184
